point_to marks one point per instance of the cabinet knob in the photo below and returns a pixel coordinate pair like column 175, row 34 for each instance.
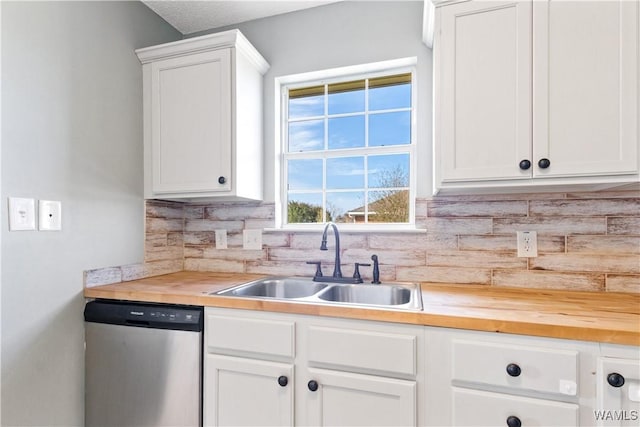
column 544, row 163
column 283, row 381
column 222, row 180
column 513, row 370
column 513, row 421
column 313, row 385
column 615, row 380
column 524, row 164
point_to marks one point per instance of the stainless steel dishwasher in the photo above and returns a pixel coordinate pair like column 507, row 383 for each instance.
column 143, row 364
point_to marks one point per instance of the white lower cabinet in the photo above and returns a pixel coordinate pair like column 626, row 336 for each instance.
column 248, row 392
column 347, row 399
column 264, row 369
column 277, row 369
column 618, row 387
column 490, row 379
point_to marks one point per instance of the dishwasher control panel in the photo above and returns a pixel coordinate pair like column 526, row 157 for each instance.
column 160, row 316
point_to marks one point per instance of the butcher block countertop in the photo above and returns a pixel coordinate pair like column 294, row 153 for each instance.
column 587, row 316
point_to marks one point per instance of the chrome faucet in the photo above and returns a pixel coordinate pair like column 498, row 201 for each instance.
column 337, row 272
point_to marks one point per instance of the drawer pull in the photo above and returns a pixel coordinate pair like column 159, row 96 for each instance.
column 313, row 385
column 615, row 380
column 513, row 370
column 283, row 381
column 513, row 421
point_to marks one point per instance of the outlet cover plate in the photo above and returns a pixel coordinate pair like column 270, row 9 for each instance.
column 527, row 244
column 49, row 215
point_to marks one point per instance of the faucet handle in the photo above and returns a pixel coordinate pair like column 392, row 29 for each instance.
column 356, row 270
column 318, row 265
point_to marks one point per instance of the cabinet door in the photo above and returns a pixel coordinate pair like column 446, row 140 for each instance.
column 346, row 399
column 247, row 392
column 585, row 87
column 483, row 90
column 191, row 123
column 618, row 404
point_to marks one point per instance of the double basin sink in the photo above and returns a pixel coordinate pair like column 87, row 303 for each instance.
column 395, row 296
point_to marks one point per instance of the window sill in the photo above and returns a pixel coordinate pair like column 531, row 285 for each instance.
column 344, row 228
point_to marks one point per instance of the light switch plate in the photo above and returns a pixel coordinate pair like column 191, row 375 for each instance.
column 221, row 239
column 22, row 214
column 252, row 239
column 49, row 215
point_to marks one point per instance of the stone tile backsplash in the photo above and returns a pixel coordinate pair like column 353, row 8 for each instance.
column 586, row 241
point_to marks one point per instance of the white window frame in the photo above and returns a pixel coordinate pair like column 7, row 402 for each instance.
column 357, row 72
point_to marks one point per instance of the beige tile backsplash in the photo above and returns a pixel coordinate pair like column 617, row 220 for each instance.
column 586, row 241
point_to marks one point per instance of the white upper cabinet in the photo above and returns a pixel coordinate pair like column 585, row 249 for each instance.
column 203, row 118
column 540, row 94
column 585, row 87
column 191, row 119
column 484, row 102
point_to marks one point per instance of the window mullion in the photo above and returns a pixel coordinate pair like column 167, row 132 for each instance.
column 324, row 157
column 284, row 149
column 366, row 157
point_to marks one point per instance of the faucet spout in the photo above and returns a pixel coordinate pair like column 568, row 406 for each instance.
column 337, row 272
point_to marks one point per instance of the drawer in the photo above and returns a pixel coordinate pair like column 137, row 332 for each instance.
column 363, row 350
column 257, row 336
column 540, row 369
column 482, row 408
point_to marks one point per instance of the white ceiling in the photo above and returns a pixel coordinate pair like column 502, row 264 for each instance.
column 190, row 16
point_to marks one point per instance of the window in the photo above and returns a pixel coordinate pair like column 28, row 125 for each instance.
column 347, row 150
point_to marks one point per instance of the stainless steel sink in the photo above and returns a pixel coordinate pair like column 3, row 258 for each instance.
column 367, row 294
column 280, row 288
column 405, row 296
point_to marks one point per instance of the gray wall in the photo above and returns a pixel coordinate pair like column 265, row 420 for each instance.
column 72, row 131
column 338, row 35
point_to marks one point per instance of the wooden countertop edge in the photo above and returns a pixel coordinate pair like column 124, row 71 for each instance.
column 591, row 332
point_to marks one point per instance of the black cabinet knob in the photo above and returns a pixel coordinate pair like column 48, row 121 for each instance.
column 222, row 180
column 513, row 370
column 283, row 381
column 513, row 421
column 524, row 164
column 615, row 380
column 313, row 385
column 544, row 163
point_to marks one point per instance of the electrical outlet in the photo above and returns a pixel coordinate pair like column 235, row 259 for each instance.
column 221, row 239
column 252, row 239
column 527, row 244
column 50, row 215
